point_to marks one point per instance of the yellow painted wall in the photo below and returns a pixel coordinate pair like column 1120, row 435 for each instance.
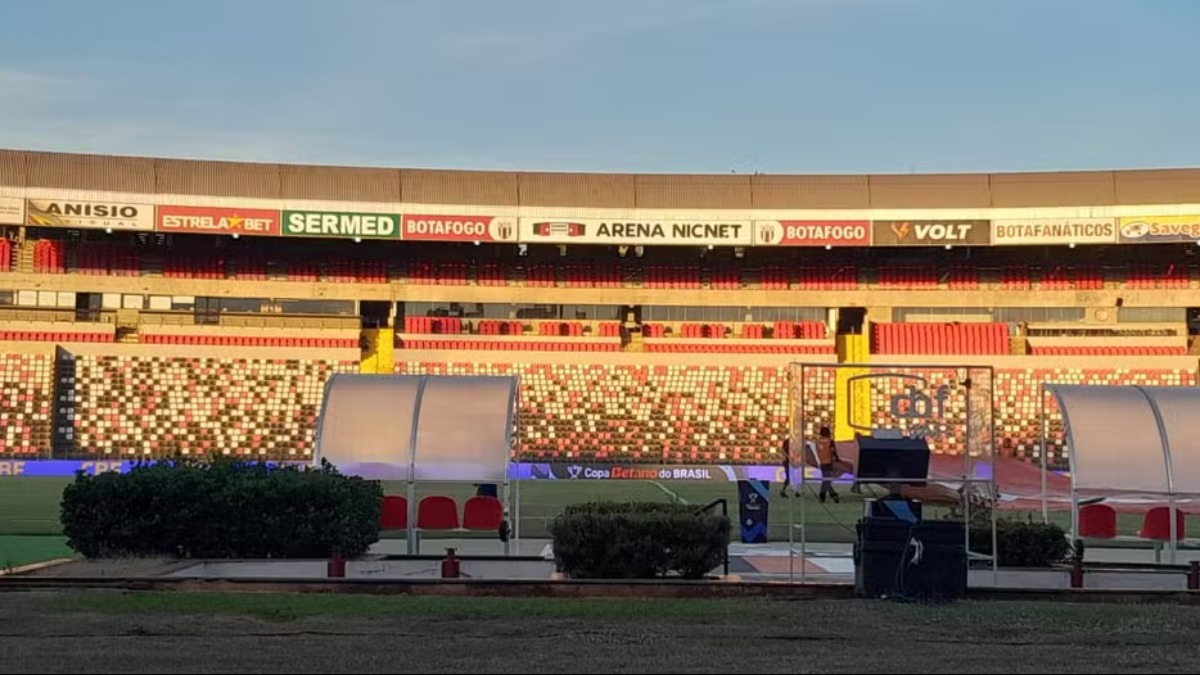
column 851, row 349
column 380, row 355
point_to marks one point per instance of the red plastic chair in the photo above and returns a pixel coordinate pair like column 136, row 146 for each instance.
column 1155, row 525
column 483, row 513
column 437, row 512
column 1098, row 521
column 394, row 513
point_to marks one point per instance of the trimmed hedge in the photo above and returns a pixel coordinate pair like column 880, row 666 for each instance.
column 1023, row 544
column 638, row 540
column 221, row 509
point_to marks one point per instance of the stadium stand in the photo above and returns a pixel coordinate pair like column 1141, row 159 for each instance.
column 26, row 398
column 190, row 341
column 156, row 406
column 135, row 406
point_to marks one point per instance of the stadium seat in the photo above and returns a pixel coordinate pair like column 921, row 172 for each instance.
column 437, row 512
column 483, row 513
column 393, row 513
column 1156, row 525
column 1097, row 521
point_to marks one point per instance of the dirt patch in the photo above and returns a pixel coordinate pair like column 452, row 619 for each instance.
column 127, row 568
column 60, row 632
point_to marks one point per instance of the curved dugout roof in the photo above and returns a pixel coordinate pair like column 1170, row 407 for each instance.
column 1132, row 439
column 419, row 427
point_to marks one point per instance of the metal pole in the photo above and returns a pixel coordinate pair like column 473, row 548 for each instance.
column 803, row 525
column 802, row 407
column 517, row 517
column 1174, row 535
column 792, row 534
column 966, row 483
column 1042, row 452
column 993, row 484
column 508, row 494
column 412, row 543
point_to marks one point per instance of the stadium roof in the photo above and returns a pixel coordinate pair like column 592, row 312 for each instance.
column 98, row 173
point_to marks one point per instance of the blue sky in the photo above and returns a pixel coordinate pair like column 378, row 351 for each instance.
column 777, row 86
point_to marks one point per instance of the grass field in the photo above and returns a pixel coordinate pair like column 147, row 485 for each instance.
column 103, row 632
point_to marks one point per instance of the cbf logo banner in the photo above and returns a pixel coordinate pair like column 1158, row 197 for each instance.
column 929, row 404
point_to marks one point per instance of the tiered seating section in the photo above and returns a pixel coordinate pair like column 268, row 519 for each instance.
column 250, row 341
column 130, row 406
column 1103, row 350
column 26, row 400
column 1144, row 276
column 1064, row 278
column 106, row 260
column 64, row 336
column 939, row 338
column 750, row 338
column 508, row 335
column 643, row 413
column 51, row 256
column 1017, row 401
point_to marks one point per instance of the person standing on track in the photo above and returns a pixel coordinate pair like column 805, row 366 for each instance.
column 786, row 451
column 826, row 456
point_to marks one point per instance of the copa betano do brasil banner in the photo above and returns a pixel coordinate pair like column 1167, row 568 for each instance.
column 721, row 473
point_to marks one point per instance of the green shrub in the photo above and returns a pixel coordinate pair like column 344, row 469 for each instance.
column 638, row 540
column 221, row 509
column 1023, row 544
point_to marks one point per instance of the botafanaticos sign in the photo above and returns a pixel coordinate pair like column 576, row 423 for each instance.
column 647, row 231
column 1053, row 231
column 341, row 224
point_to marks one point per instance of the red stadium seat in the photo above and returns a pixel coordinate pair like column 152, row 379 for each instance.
column 1097, row 521
column 437, row 512
column 483, row 513
column 1156, row 525
column 394, row 513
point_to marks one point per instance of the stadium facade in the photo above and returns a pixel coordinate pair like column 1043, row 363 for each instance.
column 153, row 306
